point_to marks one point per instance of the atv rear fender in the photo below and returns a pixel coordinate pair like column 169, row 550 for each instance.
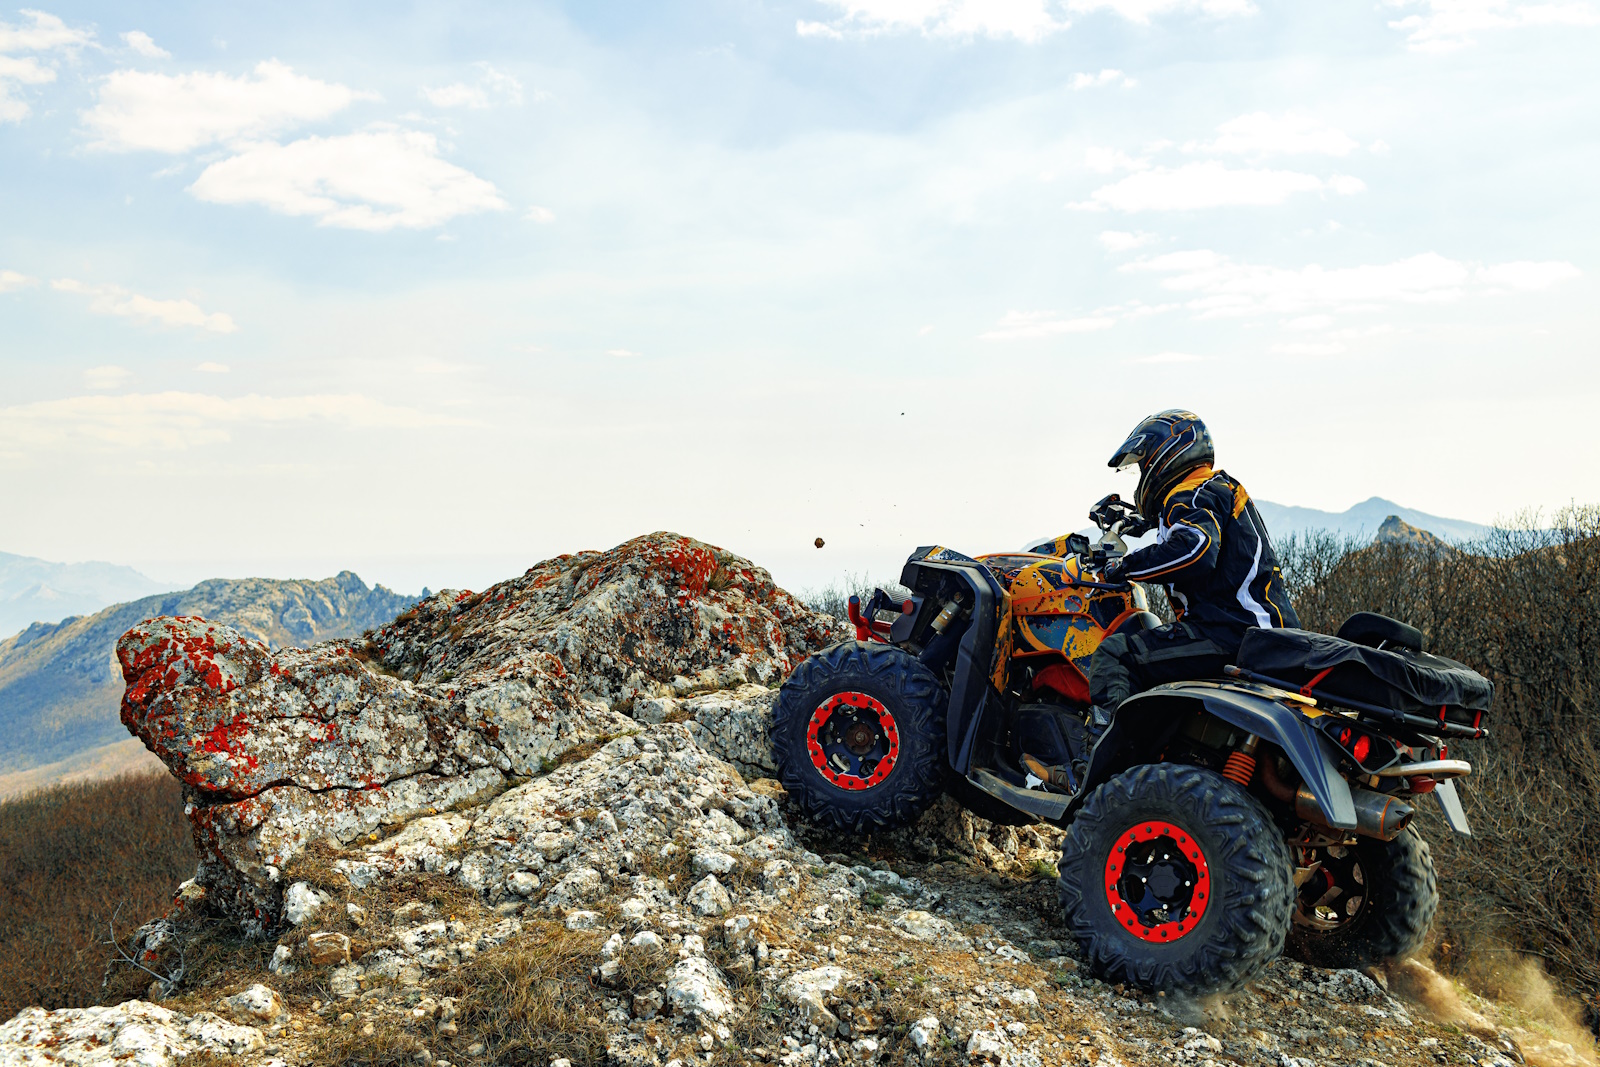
column 969, row 689
column 1145, row 723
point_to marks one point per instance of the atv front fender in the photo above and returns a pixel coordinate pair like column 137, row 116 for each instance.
column 1145, row 723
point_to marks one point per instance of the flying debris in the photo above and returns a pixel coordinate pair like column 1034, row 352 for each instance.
column 819, row 542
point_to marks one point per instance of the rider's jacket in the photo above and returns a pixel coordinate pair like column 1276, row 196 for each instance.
column 1213, row 554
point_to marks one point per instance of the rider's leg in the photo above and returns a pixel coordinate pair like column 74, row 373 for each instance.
column 1128, row 663
column 1131, row 662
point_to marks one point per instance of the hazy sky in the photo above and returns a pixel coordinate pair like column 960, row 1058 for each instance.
column 436, row 291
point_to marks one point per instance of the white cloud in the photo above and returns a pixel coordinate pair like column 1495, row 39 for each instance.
column 1024, row 20
column 1168, row 357
column 1108, row 160
column 456, row 95
column 1225, row 288
column 1442, row 25
column 106, row 377
column 1123, row 241
column 375, row 180
column 115, row 300
column 1309, row 348
column 1221, row 287
column 40, row 33
column 1142, row 11
column 620, row 353
column 492, row 87
column 176, row 420
column 209, row 367
column 1028, row 325
column 1194, row 186
column 806, row 28
column 1086, row 80
column 1261, row 134
column 182, row 112
column 1526, row 275
column 541, row 215
column 143, row 44
column 10, row 281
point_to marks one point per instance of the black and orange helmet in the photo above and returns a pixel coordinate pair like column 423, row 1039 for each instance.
column 1166, row 447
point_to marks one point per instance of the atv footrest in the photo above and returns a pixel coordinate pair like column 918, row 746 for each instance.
column 1050, row 806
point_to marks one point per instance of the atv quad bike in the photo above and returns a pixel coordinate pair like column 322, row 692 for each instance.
column 1213, row 822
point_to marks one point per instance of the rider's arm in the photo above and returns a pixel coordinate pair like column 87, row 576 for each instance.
column 1193, row 543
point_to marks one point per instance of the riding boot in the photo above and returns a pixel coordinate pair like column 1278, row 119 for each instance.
column 1055, row 779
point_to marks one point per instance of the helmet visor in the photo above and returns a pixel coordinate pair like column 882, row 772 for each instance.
column 1133, row 450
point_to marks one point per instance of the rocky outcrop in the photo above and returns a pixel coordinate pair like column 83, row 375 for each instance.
column 1396, row 531
column 645, row 905
column 453, row 701
column 135, row 1033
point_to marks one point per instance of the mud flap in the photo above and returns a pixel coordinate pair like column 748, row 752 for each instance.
column 1450, row 803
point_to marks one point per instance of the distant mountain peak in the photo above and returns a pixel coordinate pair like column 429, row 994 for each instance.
column 1396, row 531
column 1363, row 521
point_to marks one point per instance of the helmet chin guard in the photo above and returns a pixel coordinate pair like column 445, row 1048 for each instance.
column 1166, row 446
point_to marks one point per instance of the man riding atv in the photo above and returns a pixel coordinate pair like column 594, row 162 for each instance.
column 1256, row 785
column 1212, row 553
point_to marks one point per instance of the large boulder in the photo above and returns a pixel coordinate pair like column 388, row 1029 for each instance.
column 455, row 697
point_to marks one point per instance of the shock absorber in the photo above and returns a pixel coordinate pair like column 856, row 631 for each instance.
column 1241, row 765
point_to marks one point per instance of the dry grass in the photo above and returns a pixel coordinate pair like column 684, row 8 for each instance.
column 348, row 1045
column 577, row 753
column 533, row 1000
column 71, row 857
column 1523, row 607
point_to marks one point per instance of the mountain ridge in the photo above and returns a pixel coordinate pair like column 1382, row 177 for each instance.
column 34, row 590
column 1363, row 519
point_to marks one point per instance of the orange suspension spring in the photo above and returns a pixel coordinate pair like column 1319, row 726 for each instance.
column 1241, row 767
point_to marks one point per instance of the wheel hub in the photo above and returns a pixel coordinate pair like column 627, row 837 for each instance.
column 853, row 740
column 860, row 738
column 1335, row 895
column 1157, row 881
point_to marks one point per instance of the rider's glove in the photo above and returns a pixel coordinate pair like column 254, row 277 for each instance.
column 1115, row 573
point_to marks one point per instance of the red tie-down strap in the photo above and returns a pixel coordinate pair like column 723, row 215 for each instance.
column 1316, row 680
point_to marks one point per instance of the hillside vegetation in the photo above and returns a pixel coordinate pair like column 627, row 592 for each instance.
column 1523, row 607
column 71, row 858
column 60, row 684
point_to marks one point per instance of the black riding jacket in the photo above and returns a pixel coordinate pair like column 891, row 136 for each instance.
column 1214, row 556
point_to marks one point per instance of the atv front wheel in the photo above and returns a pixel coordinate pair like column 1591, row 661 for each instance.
column 1364, row 903
column 1174, row 878
column 859, row 737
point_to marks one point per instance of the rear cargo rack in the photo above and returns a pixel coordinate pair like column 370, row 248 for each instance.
column 1438, row 727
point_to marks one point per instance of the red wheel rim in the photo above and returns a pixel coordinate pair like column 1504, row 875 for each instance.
column 853, row 765
column 1157, row 881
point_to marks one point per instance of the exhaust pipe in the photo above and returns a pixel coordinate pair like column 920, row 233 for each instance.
column 1377, row 815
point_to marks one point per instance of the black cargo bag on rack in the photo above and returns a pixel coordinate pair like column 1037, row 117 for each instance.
column 1399, row 679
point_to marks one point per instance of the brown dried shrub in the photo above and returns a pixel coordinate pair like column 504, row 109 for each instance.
column 71, row 858
column 1522, row 606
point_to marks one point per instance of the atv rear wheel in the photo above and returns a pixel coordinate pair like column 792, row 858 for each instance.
column 859, row 737
column 1174, row 878
column 1367, row 902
